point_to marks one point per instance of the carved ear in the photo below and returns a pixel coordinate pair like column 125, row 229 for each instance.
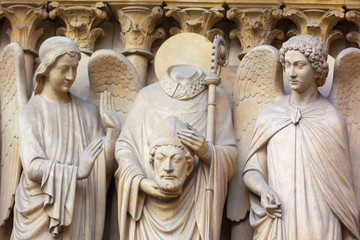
column 151, row 158
column 190, row 162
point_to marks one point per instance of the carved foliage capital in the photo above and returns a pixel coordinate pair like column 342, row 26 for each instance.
column 139, row 27
column 24, row 21
column 81, row 23
column 316, row 22
column 255, row 26
column 354, row 36
column 196, row 20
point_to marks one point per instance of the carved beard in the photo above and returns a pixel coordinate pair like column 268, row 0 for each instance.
column 172, row 186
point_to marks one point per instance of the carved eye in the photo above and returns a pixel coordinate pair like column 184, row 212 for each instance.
column 177, row 159
column 160, row 158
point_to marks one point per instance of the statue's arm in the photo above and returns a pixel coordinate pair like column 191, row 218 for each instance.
column 255, row 172
column 254, row 179
column 109, row 146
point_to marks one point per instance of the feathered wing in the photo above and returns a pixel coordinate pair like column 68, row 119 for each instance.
column 258, row 82
column 112, row 71
column 345, row 93
column 13, row 97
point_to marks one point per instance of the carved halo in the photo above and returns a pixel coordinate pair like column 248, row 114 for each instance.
column 184, row 48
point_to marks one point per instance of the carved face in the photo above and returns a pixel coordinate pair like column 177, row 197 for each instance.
column 299, row 72
column 171, row 167
column 62, row 73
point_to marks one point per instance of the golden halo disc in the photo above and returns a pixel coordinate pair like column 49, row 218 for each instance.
column 184, row 48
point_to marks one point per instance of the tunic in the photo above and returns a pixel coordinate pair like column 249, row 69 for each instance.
column 308, row 166
column 188, row 216
column 50, row 202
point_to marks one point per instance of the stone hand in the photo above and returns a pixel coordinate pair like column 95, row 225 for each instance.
column 195, row 141
column 88, row 158
column 150, row 187
column 107, row 111
column 271, row 203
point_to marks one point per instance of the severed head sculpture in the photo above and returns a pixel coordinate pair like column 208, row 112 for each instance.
column 171, row 161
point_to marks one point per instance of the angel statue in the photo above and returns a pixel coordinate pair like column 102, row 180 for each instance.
column 175, row 206
column 65, row 154
column 298, row 166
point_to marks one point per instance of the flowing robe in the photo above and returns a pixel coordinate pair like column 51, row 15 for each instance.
column 188, row 216
column 305, row 159
column 50, row 201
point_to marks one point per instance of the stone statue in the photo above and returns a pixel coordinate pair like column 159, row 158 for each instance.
column 171, row 160
column 65, row 154
column 298, row 167
column 147, row 210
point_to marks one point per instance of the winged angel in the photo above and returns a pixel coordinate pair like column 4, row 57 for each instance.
column 59, row 140
column 298, row 155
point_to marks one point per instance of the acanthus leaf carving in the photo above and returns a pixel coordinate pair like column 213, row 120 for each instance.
column 353, row 36
column 139, row 27
column 81, row 23
column 255, row 27
column 317, row 22
column 196, row 20
column 24, row 21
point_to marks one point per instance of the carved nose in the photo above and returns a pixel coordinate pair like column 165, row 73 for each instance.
column 168, row 166
column 292, row 72
column 70, row 75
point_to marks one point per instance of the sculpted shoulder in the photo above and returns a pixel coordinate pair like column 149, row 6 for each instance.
column 31, row 108
column 274, row 108
column 149, row 92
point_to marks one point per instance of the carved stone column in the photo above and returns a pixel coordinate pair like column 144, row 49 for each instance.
column 354, row 36
column 196, row 20
column 316, row 22
column 81, row 23
column 24, row 22
column 138, row 32
column 255, row 26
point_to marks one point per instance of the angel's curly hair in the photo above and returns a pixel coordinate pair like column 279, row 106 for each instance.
column 313, row 49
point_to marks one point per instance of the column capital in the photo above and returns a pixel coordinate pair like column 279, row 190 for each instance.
column 317, row 22
column 81, row 23
column 354, row 36
column 255, row 26
column 24, row 21
column 139, row 29
column 196, row 20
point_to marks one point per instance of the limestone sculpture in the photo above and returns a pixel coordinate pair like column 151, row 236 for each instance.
column 65, row 154
column 146, row 211
column 171, row 160
column 298, row 164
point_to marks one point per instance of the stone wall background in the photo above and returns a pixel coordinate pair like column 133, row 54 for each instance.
column 138, row 28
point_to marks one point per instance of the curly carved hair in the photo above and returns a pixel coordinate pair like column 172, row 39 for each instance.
column 188, row 154
column 313, row 49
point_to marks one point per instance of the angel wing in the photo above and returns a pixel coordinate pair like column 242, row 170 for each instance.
column 258, row 82
column 345, row 93
column 13, row 97
column 112, row 71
